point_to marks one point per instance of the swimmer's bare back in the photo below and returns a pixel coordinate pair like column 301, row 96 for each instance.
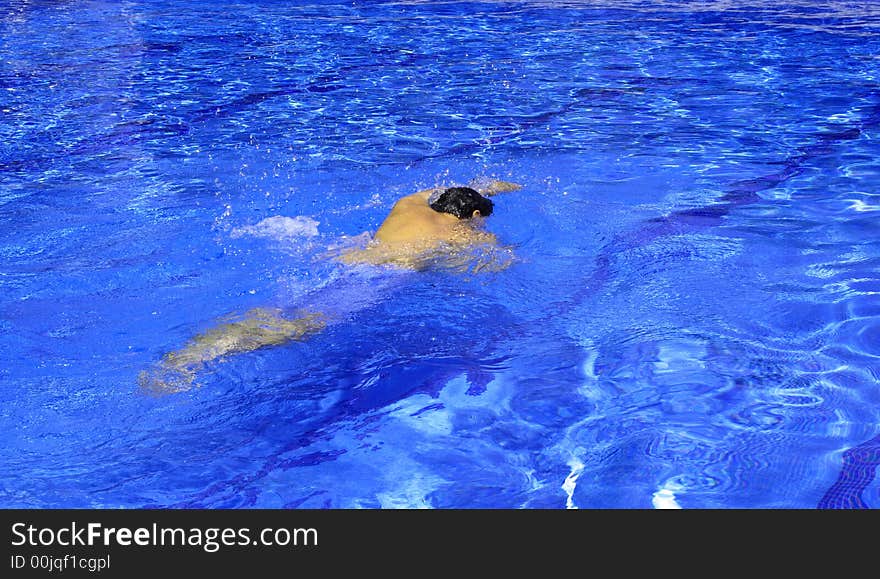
column 413, row 233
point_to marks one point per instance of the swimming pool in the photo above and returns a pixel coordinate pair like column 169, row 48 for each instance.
column 691, row 321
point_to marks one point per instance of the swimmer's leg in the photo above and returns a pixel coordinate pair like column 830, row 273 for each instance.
column 258, row 328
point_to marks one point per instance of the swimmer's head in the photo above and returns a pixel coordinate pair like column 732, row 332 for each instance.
column 463, row 202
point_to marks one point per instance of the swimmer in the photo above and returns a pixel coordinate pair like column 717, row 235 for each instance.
column 430, row 221
column 420, row 229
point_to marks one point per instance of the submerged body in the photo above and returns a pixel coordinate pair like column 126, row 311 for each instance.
column 417, row 233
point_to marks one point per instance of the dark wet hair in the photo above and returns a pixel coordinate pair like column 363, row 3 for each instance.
column 462, row 202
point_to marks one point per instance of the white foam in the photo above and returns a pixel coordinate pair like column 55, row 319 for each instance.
column 280, row 228
column 665, row 497
column 570, row 483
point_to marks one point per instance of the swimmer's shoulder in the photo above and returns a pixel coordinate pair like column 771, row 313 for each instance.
column 413, row 201
column 424, row 195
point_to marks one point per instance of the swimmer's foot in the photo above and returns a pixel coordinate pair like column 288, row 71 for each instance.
column 165, row 379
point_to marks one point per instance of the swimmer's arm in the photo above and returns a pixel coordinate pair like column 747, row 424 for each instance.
column 489, row 187
column 403, row 258
column 484, row 237
column 357, row 255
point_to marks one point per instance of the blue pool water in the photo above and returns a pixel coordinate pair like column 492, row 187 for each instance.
column 692, row 319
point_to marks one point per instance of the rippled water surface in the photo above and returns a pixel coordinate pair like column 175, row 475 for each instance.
column 692, row 319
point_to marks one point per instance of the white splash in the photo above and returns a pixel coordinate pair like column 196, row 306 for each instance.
column 577, row 468
column 280, row 228
column 665, row 498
